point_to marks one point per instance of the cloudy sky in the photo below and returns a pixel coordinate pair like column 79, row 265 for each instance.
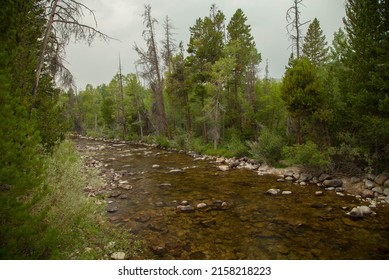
column 121, row 19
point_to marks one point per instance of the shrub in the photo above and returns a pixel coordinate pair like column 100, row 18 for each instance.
column 268, row 149
column 307, row 155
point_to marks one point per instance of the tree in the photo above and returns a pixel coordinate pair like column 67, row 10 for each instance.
column 315, row 45
column 301, row 91
column 63, row 21
column 366, row 24
column 150, row 61
column 293, row 17
column 205, row 47
column 241, row 47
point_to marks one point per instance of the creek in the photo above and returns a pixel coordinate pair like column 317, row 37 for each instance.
column 249, row 224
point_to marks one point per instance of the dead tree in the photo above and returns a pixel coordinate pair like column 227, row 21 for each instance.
column 63, row 22
column 150, row 62
column 294, row 26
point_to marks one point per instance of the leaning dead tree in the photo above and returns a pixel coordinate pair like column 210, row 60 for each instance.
column 149, row 60
column 294, row 26
column 63, row 22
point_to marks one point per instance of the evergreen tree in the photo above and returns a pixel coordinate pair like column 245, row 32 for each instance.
column 301, row 91
column 315, row 45
column 368, row 65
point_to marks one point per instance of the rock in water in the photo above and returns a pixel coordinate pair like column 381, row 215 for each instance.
column 118, row 256
column 360, row 211
column 223, row 168
column 273, row 191
column 201, row 205
column 185, row 208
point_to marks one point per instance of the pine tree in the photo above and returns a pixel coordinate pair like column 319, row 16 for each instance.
column 366, row 24
column 315, row 45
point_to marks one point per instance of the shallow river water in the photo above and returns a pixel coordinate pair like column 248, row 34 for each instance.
column 250, row 225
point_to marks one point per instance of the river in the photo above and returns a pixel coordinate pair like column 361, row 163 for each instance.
column 240, row 220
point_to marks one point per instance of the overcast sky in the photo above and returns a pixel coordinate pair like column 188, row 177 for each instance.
column 121, row 19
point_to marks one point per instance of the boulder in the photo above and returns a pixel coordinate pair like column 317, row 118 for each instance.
column 334, row 183
column 380, row 179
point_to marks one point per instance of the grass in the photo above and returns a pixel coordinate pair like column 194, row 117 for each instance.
column 61, row 221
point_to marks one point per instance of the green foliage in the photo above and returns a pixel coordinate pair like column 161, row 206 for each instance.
column 268, row 148
column 307, row 155
column 315, row 45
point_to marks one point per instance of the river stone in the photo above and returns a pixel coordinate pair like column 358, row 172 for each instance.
column 367, row 193
column 176, row 171
column 380, row 179
column 355, row 180
column 303, row 183
column 288, row 173
column 273, row 191
column 386, row 191
column 333, row 183
column 387, row 199
column 184, row 203
column 289, row 178
column 305, row 177
column 218, row 203
column 118, row 256
column 360, row 211
column 223, row 168
column 369, row 184
column 386, row 184
column 286, row 192
column 280, row 180
column 371, row 177
column 156, row 166
column 339, row 189
column 318, row 193
column 185, row 208
column 112, row 209
column 377, row 190
column 324, row 177
column 201, row 205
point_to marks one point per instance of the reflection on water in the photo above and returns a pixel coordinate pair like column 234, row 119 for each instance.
column 249, row 225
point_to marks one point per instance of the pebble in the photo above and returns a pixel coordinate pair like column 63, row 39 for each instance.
column 156, row 166
column 273, row 191
column 318, row 193
column 286, row 192
column 118, row 256
column 201, row 205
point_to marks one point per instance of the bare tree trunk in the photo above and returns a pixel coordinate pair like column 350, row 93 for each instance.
column 42, row 51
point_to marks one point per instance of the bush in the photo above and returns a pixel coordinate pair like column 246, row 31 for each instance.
column 307, row 155
column 268, row 149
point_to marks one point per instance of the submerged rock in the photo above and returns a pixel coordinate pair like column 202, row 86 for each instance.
column 185, row 208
